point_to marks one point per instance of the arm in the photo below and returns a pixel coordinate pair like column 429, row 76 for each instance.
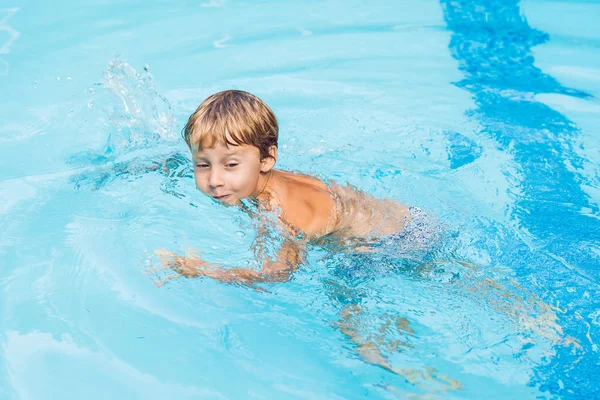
column 278, row 270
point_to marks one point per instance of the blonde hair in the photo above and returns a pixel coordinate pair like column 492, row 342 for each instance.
column 232, row 118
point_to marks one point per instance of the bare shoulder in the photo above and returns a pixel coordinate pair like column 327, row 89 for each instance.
column 307, row 203
column 300, row 179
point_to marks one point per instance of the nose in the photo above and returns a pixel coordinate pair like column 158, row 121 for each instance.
column 215, row 179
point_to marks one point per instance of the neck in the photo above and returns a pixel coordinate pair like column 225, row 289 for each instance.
column 264, row 186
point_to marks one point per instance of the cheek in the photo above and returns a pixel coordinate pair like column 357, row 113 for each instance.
column 240, row 179
column 251, row 183
column 245, row 182
column 200, row 181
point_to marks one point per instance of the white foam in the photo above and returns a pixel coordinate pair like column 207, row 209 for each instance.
column 567, row 103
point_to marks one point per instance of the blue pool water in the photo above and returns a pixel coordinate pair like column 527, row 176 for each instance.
column 484, row 113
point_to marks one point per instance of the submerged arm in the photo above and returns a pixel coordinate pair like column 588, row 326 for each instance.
column 278, row 270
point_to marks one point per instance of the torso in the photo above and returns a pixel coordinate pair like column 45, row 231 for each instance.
column 333, row 211
column 361, row 215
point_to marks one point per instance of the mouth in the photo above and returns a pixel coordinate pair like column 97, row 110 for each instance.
column 221, row 197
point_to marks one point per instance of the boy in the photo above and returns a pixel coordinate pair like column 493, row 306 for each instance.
column 232, row 137
column 233, row 140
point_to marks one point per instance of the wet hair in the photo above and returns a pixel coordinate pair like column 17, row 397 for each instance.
column 232, row 118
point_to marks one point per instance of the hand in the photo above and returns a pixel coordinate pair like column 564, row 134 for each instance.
column 190, row 266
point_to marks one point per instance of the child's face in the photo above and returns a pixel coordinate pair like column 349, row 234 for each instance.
column 229, row 173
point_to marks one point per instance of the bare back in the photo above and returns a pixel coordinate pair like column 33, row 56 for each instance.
column 341, row 212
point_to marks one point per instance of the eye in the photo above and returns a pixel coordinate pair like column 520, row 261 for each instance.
column 232, row 165
column 202, row 165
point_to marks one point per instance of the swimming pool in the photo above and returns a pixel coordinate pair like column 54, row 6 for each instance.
column 484, row 113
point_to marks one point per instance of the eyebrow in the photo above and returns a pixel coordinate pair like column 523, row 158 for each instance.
column 231, row 154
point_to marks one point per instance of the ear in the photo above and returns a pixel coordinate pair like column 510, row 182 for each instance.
column 267, row 163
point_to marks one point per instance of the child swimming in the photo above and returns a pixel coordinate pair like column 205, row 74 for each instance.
column 233, row 138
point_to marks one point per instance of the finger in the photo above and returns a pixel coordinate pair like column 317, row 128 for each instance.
column 192, row 253
column 162, row 252
column 162, row 282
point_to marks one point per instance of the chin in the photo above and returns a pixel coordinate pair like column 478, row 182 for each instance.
column 230, row 201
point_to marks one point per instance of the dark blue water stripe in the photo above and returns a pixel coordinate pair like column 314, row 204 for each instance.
column 492, row 42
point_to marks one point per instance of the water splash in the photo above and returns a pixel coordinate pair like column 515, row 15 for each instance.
column 141, row 117
column 141, row 132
